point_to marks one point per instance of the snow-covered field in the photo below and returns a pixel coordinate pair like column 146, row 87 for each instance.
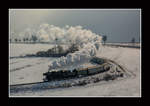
column 125, row 44
column 25, row 70
column 16, row 50
column 129, row 45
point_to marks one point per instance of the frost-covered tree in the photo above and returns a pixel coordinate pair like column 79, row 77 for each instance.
column 34, row 38
column 19, row 40
column 27, row 39
column 24, row 39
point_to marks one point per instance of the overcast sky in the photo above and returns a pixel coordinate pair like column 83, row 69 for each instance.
column 118, row 25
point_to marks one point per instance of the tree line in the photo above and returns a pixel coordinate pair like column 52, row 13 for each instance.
column 35, row 39
column 104, row 39
column 32, row 39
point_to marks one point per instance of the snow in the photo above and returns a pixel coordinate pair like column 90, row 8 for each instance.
column 129, row 58
column 125, row 44
column 32, row 71
column 24, row 49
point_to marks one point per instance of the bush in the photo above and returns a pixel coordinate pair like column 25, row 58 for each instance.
column 41, row 53
column 67, row 85
column 82, row 82
column 108, row 77
column 60, row 49
column 96, row 80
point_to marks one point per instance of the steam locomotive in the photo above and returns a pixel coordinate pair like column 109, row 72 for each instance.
column 64, row 74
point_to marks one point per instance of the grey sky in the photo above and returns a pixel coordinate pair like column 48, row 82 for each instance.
column 118, row 25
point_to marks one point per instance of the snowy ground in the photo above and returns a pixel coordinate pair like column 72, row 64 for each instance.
column 23, row 49
column 127, row 44
column 30, row 70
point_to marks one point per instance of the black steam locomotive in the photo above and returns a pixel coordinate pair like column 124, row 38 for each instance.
column 64, row 74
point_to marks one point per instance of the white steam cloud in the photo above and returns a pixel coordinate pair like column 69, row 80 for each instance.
column 49, row 33
column 87, row 41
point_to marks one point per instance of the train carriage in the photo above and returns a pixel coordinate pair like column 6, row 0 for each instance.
column 82, row 72
column 63, row 74
column 94, row 70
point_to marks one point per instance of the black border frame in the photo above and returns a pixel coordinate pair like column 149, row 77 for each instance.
column 70, row 100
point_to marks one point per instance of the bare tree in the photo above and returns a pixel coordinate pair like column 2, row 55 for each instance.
column 16, row 40
column 56, row 39
column 104, row 39
column 133, row 40
column 19, row 40
column 24, row 39
column 27, row 39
